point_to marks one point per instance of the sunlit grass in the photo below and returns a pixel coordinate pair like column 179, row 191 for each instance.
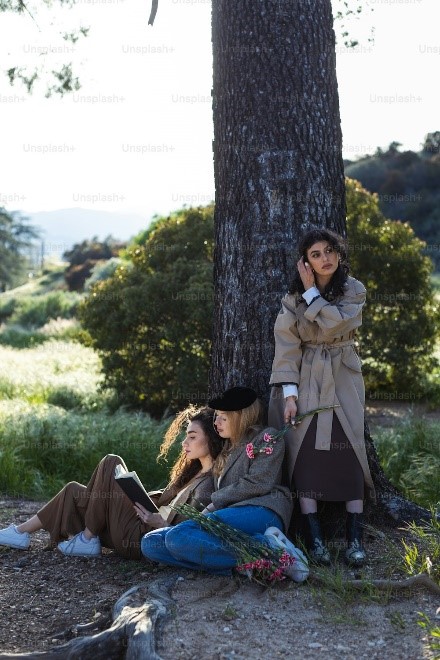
column 53, row 372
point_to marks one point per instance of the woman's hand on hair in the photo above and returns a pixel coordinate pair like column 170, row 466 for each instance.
column 306, row 274
column 153, row 519
column 290, row 409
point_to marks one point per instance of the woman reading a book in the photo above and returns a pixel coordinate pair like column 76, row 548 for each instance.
column 101, row 514
column 248, row 494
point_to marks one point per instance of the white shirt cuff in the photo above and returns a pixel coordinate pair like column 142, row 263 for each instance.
column 290, row 390
column 310, row 294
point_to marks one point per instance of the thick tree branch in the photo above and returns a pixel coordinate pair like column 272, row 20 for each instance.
column 154, row 5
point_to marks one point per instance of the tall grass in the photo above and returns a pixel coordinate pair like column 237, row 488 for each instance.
column 410, row 456
column 55, row 426
column 44, row 447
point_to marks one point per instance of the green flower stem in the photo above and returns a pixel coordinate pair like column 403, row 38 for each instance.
column 245, row 548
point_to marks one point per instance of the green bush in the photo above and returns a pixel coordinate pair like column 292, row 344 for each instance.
column 410, row 457
column 151, row 321
column 18, row 337
column 7, row 307
column 35, row 311
column 401, row 317
column 45, row 447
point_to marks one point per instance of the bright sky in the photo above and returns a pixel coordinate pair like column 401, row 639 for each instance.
column 137, row 136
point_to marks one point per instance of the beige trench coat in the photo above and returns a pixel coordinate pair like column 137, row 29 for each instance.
column 314, row 348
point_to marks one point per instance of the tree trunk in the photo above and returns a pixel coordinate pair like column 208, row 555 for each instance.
column 278, row 173
column 278, row 167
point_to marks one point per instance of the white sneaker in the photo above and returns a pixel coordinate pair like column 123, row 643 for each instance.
column 10, row 537
column 77, row 547
column 299, row 570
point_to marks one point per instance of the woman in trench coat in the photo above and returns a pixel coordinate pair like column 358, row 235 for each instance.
column 316, row 365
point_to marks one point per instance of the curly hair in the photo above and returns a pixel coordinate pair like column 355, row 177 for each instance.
column 184, row 469
column 335, row 287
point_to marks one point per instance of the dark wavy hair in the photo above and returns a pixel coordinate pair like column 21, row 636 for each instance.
column 335, row 287
column 184, row 469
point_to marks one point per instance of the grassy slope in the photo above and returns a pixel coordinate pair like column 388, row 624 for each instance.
column 55, row 424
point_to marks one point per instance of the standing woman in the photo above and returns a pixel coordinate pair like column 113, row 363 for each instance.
column 316, row 365
column 248, row 494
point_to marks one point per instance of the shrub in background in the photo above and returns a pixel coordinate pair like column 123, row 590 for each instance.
column 32, row 312
column 7, row 307
column 83, row 258
column 151, row 322
column 401, row 316
column 19, row 337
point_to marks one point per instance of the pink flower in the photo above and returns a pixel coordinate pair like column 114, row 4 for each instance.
column 267, row 437
column 268, row 450
column 250, row 450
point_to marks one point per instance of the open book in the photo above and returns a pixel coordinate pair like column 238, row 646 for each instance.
column 133, row 488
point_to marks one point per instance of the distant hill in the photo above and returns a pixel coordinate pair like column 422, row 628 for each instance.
column 63, row 228
column 408, row 187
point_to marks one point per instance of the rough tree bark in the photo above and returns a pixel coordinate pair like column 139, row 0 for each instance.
column 278, row 167
column 136, row 615
column 278, row 172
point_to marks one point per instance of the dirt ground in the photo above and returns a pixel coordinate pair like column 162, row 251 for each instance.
column 43, row 594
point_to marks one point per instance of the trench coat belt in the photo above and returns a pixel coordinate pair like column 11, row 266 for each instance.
column 321, row 371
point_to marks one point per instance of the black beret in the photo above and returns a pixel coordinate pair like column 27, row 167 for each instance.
column 236, row 398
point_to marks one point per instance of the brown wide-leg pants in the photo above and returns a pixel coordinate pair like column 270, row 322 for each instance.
column 101, row 506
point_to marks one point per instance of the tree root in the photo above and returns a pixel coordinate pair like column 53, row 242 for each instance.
column 136, row 615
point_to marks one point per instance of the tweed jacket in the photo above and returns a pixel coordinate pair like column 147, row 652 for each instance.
column 314, row 348
column 254, row 481
column 197, row 494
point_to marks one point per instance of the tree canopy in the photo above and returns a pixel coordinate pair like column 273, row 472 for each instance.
column 408, row 187
column 63, row 79
column 151, row 320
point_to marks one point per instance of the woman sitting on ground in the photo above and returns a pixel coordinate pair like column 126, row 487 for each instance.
column 101, row 514
column 248, row 495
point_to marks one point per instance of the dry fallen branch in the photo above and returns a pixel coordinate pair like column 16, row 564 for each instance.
column 136, row 615
column 419, row 580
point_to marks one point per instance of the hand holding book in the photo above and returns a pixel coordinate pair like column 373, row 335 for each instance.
column 154, row 520
column 133, row 488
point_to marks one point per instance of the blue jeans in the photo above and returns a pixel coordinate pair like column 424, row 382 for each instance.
column 188, row 546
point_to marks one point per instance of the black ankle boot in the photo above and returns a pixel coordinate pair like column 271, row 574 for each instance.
column 315, row 544
column 355, row 553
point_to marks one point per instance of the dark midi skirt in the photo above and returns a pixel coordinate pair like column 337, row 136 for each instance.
column 331, row 476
